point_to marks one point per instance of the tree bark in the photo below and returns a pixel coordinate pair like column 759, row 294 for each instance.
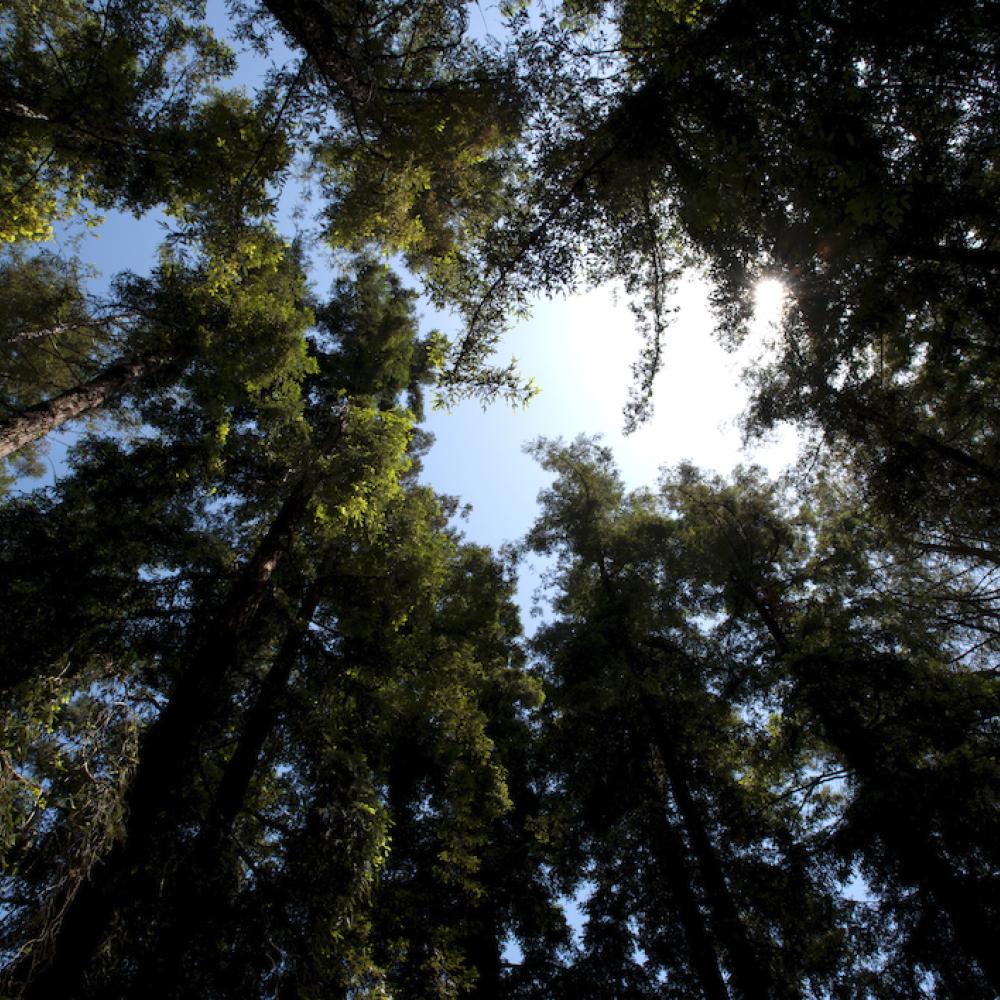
column 194, row 906
column 311, row 25
column 57, row 329
column 39, row 420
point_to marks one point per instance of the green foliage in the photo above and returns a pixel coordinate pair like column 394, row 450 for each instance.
column 118, row 106
column 745, row 655
column 269, row 727
column 651, row 710
column 47, row 332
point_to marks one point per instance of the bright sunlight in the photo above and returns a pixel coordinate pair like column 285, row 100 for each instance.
column 769, row 301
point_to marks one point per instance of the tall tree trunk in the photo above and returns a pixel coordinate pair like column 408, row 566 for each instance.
column 38, row 420
column 313, row 26
column 671, row 855
column 230, row 798
column 750, row 975
column 196, row 903
column 169, row 755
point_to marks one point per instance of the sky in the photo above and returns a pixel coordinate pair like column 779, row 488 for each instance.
column 580, row 351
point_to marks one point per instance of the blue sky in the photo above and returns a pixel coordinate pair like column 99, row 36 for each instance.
column 580, row 351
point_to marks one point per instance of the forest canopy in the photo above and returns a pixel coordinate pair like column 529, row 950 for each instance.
column 270, row 724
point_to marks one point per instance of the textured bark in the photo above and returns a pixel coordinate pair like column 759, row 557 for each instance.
column 57, row 329
column 25, row 336
column 37, row 421
column 16, row 109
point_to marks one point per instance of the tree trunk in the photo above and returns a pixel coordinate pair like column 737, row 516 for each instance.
column 312, row 27
column 672, row 860
column 193, row 908
column 57, row 329
column 230, row 798
column 750, row 976
column 169, row 756
column 40, row 419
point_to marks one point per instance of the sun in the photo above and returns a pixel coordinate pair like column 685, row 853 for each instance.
column 768, row 300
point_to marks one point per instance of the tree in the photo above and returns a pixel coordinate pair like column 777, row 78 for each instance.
column 334, row 538
column 48, row 331
column 268, row 725
column 117, row 105
column 716, row 661
column 653, row 745
column 229, row 330
column 420, row 155
column 891, row 703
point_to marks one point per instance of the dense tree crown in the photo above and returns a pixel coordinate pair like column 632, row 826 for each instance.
column 270, row 727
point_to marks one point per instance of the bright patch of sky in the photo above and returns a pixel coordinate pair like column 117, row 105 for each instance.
column 580, row 351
